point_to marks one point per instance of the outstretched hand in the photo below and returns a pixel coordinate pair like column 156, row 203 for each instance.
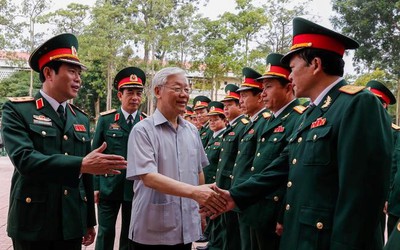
column 224, row 195
column 210, row 199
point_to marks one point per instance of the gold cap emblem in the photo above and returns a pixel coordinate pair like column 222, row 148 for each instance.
column 133, row 78
column 73, row 51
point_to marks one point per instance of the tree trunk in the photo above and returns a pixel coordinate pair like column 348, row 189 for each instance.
column 398, row 103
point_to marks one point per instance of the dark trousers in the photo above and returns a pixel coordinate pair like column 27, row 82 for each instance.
column 108, row 213
column 75, row 244
column 136, row 246
column 232, row 240
column 264, row 239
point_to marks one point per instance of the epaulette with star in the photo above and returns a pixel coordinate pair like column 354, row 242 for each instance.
column 266, row 115
column 299, row 109
column 351, row 89
column 21, row 99
column 395, row 126
column 111, row 111
column 79, row 109
column 244, row 121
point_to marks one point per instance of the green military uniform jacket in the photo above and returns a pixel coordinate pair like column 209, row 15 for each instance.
column 49, row 199
column 205, row 134
column 271, row 142
column 336, row 162
column 393, row 242
column 212, row 150
column 243, row 167
column 229, row 149
column 113, row 129
column 394, row 191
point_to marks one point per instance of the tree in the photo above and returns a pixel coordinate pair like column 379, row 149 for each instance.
column 375, row 24
column 9, row 29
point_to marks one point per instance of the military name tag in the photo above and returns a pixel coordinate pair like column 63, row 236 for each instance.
column 114, row 126
column 79, row 127
column 318, row 123
column 279, row 129
column 42, row 120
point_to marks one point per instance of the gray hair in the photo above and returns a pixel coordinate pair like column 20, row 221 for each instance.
column 160, row 78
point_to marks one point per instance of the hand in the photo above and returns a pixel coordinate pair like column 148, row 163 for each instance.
column 97, row 163
column 226, row 196
column 279, row 229
column 88, row 239
column 96, row 197
column 208, row 198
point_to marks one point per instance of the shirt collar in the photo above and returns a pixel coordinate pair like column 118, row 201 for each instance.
column 277, row 113
column 54, row 104
column 159, row 119
column 126, row 114
column 234, row 120
column 318, row 100
column 256, row 114
column 215, row 134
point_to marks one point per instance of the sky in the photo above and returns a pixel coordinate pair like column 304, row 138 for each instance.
column 320, row 10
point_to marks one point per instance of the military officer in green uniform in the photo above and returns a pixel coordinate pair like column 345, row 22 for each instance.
column 188, row 115
column 200, row 107
column 225, row 229
column 335, row 181
column 392, row 207
column 252, row 105
column 48, row 141
column 113, row 192
column 278, row 97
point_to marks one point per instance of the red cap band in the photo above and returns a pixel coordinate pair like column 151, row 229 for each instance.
column 318, row 41
column 380, row 94
column 130, row 80
column 69, row 53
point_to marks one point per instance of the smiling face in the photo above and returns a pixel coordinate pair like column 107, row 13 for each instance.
column 232, row 109
column 63, row 85
column 130, row 99
column 216, row 123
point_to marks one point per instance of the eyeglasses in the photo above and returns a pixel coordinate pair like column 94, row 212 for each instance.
column 179, row 90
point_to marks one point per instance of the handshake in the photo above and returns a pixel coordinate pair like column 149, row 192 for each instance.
column 213, row 200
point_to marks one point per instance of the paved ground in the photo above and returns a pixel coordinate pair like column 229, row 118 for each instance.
column 6, row 169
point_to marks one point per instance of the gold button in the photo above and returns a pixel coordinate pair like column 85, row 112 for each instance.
column 320, row 225
column 234, row 165
column 83, row 139
column 114, row 135
column 222, row 149
column 217, row 169
column 85, row 199
column 220, row 159
column 241, row 140
column 214, row 177
column 299, row 140
column 276, row 198
column 238, row 152
column 44, row 133
column 398, row 226
column 258, row 154
column 289, row 184
column 287, row 207
column 252, row 169
column 294, row 161
column 28, row 200
column 105, row 175
column 65, row 137
column 314, row 137
column 275, row 139
column 65, row 192
column 66, row 153
column 263, row 139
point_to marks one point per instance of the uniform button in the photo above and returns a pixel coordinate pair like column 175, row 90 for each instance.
column 258, row 154
column 85, row 199
column 275, row 139
column 214, row 177
column 105, row 175
column 289, row 184
column 294, row 161
column 66, row 153
column 252, row 169
column 28, row 200
column 222, row 149
column 220, row 159
column 314, row 137
column 83, row 139
column 398, row 226
column 114, row 135
column 263, row 139
column 276, row 198
column 65, row 137
column 234, row 165
column 299, row 140
column 231, row 176
column 217, row 169
column 287, row 207
column 65, row 192
column 241, row 140
column 319, row 225
column 44, row 133
column 238, row 152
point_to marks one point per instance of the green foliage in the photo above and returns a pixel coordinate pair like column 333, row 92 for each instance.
column 17, row 85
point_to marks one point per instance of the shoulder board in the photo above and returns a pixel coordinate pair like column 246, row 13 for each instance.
column 244, row 121
column 108, row 112
column 396, row 127
column 299, row 109
column 266, row 115
column 21, row 99
column 79, row 109
column 351, row 89
column 144, row 114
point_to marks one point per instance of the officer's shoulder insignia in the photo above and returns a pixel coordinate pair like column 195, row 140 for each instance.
column 299, row 109
column 266, row 115
column 21, row 99
column 244, row 121
column 396, row 127
column 108, row 112
column 73, row 107
column 351, row 89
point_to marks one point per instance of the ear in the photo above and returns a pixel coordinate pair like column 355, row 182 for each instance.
column 157, row 91
column 119, row 95
column 47, row 72
column 316, row 64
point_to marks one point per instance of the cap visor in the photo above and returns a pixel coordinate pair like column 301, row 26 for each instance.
column 72, row 62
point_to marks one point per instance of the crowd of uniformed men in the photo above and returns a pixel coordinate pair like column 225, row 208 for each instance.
column 290, row 175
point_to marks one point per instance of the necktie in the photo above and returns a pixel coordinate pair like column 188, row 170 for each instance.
column 61, row 113
column 130, row 121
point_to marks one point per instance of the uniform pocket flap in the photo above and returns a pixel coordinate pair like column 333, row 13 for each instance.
column 114, row 134
column 318, row 218
column 83, row 137
column 318, row 133
column 43, row 130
